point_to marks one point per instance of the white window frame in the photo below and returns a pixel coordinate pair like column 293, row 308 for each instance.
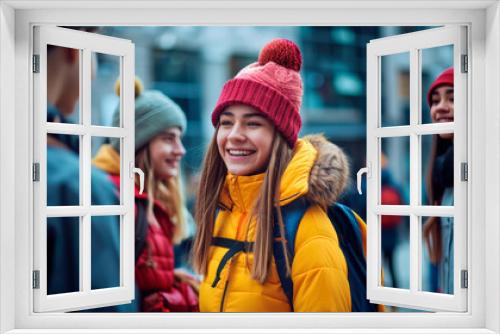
column 86, row 43
column 413, row 44
column 16, row 20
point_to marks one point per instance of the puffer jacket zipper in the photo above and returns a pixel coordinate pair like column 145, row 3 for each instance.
column 223, row 296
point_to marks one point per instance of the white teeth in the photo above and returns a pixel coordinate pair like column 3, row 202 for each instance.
column 240, row 152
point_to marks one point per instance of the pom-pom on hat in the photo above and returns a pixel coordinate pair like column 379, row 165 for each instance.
column 154, row 112
column 445, row 78
column 272, row 85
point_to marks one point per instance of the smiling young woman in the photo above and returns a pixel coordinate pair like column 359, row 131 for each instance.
column 255, row 165
column 159, row 211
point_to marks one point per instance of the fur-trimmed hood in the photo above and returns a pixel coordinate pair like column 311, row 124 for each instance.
column 318, row 170
column 330, row 173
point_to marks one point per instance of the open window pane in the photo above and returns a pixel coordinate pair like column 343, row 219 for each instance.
column 395, row 77
column 437, row 169
column 395, row 170
column 437, row 254
column 106, row 160
column 60, row 99
column 105, row 101
column 434, row 62
column 62, row 166
column 395, row 251
column 63, row 255
column 105, row 255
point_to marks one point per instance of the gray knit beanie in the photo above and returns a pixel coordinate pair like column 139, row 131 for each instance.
column 154, row 112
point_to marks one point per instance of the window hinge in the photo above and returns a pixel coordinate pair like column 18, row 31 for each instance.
column 36, row 63
column 465, row 279
column 36, row 171
column 465, row 66
column 464, row 171
column 36, row 279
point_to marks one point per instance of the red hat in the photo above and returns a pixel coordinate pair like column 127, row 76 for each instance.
column 445, row 78
column 272, row 86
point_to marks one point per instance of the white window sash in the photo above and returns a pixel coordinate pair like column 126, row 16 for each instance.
column 86, row 43
column 414, row 297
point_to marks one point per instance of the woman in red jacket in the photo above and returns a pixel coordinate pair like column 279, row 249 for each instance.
column 160, row 213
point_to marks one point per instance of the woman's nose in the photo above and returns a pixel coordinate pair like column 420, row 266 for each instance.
column 443, row 105
column 180, row 149
column 236, row 133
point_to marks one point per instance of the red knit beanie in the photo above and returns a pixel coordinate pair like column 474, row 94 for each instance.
column 445, row 78
column 272, row 86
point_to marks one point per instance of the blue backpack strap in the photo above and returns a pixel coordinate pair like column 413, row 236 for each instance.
column 351, row 243
column 292, row 215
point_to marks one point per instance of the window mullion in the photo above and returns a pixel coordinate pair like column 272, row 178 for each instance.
column 372, row 151
column 127, row 104
column 420, row 210
column 85, row 236
column 78, row 129
column 420, row 129
column 414, row 170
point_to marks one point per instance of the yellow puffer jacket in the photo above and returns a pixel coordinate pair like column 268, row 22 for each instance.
column 319, row 171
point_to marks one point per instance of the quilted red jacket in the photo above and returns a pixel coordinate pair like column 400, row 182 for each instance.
column 154, row 268
column 159, row 290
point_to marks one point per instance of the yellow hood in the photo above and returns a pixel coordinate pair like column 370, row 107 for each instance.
column 107, row 159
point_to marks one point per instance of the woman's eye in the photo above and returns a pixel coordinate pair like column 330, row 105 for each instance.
column 225, row 123
column 254, row 124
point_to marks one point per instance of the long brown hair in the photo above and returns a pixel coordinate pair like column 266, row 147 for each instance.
column 432, row 230
column 265, row 211
column 168, row 193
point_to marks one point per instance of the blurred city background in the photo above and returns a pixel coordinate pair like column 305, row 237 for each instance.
column 191, row 64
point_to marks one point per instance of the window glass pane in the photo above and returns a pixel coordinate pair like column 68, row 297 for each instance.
column 105, row 172
column 437, row 169
column 395, row 171
column 63, row 255
column 63, row 85
column 434, row 62
column 105, row 255
column 105, row 100
column 437, row 254
column 395, row 83
column 63, row 170
column 395, row 251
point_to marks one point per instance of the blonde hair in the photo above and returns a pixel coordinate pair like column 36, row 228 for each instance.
column 265, row 211
column 168, row 193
